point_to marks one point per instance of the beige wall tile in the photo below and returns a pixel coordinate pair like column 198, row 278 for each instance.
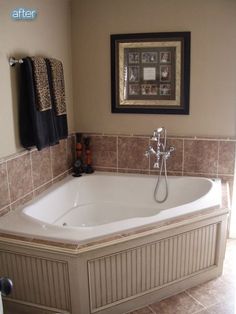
column 200, row 156
column 20, row 176
column 226, row 157
column 4, row 192
column 41, row 167
column 59, row 158
column 70, row 151
column 131, row 153
column 104, row 151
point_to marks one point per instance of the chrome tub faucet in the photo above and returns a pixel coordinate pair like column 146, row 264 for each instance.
column 161, row 151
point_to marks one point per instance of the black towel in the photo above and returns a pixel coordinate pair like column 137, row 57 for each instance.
column 36, row 128
column 61, row 120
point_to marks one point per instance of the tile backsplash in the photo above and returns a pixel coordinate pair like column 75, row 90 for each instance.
column 26, row 174
column 200, row 156
column 209, row 157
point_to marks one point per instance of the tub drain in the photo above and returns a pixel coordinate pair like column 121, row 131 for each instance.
column 64, row 224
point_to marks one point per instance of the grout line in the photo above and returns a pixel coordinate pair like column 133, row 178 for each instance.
column 149, row 158
column 216, row 303
column 17, row 155
column 149, row 307
column 51, row 168
column 200, row 311
column 98, row 168
column 117, row 153
column 132, row 135
column 8, row 186
column 226, row 174
column 204, row 307
column 22, row 197
column 217, row 161
column 200, row 173
column 31, row 169
column 134, row 169
column 234, row 163
column 75, row 154
column 140, row 308
column 61, row 174
column 2, row 162
column 183, row 159
column 3, row 208
column 42, row 185
column 201, row 138
column 195, row 138
column 66, row 140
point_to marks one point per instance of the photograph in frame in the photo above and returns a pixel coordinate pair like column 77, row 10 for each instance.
column 150, row 73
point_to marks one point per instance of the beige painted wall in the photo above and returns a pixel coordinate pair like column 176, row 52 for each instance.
column 213, row 66
column 48, row 35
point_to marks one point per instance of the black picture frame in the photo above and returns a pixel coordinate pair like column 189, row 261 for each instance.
column 150, row 73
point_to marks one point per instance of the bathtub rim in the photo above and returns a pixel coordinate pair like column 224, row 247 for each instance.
column 76, row 246
column 73, row 249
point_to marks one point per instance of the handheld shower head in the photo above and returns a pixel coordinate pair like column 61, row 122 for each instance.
column 157, row 134
column 159, row 130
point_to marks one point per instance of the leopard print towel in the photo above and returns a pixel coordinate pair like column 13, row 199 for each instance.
column 58, row 86
column 43, row 97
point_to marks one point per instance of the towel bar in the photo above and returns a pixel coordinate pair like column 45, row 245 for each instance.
column 13, row 61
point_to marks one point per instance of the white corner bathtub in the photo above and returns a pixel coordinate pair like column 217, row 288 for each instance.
column 92, row 206
column 114, row 248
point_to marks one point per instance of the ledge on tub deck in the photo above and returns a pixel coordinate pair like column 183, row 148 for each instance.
column 76, row 248
column 104, row 241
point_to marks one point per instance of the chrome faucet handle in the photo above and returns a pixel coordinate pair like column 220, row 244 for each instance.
column 168, row 152
column 150, row 151
column 154, row 137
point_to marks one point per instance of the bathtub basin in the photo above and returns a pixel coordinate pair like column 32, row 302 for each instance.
column 78, row 209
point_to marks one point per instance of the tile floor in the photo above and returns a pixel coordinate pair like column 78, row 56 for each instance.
column 214, row 297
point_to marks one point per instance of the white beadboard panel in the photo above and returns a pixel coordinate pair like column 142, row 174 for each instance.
column 117, row 277
column 37, row 280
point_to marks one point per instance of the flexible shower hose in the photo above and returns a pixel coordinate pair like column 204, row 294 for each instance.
column 159, row 177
